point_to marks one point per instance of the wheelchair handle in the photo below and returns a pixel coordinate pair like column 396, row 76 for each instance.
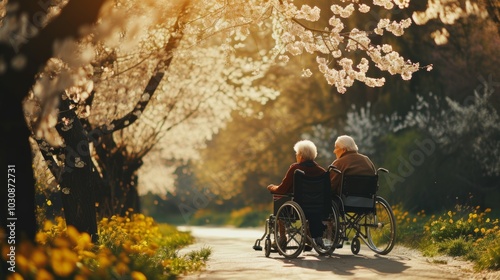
column 383, row 170
column 332, row 167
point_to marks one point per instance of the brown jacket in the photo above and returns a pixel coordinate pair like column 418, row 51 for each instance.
column 310, row 168
column 351, row 163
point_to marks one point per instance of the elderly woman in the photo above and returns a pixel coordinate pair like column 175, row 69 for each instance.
column 305, row 153
column 349, row 161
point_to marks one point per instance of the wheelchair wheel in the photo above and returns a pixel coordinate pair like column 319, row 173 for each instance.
column 355, row 246
column 267, row 247
column 330, row 237
column 289, row 229
column 381, row 234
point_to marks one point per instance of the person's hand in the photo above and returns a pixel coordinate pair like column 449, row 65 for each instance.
column 271, row 187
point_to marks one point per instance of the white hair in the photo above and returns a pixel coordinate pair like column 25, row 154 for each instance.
column 306, row 149
column 346, row 142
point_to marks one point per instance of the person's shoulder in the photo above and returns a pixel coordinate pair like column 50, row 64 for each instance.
column 365, row 156
column 316, row 165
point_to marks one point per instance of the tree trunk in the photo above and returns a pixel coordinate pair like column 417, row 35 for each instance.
column 119, row 192
column 131, row 202
column 16, row 162
column 77, row 191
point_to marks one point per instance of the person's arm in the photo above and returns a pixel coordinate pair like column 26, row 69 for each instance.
column 372, row 165
column 286, row 183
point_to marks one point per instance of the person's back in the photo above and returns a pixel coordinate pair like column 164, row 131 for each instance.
column 349, row 162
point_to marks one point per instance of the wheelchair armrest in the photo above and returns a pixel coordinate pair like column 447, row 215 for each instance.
column 383, row 170
column 281, row 194
column 332, row 167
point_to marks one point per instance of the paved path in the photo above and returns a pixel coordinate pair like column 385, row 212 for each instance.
column 233, row 258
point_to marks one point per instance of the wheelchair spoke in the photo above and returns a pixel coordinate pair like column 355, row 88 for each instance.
column 290, row 229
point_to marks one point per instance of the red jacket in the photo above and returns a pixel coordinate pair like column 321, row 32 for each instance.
column 310, row 168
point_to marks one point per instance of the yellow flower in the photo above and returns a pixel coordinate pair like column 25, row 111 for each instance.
column 136, row 275
column 104, row 259
column 73, row 234
column 47, row 225
column 450, row 214
column 15, row 276
column 41, row 237
column 61, row 242
column 451, row 221
column 476, row 230
column 121, row 268
column 487, row 210
column 43, row 275
column 22, row 263
column 38, row 258
column 88, row 254
column 63, row 261
column 84, row 242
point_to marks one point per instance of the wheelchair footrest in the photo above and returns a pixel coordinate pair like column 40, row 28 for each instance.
column 257, row 248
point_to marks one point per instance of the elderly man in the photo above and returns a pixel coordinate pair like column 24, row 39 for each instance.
column 349, row 161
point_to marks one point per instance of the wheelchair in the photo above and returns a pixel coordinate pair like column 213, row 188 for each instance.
column 365, row 216
column 298, row 217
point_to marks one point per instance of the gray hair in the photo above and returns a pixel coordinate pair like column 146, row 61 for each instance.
column 346, row 142
column 306, row 149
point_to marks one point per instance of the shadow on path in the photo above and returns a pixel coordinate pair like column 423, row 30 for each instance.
column 341, row 264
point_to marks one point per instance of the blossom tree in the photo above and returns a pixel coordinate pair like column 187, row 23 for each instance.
column 102, row 64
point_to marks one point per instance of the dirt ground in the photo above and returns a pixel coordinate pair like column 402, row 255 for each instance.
column 233, row 258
